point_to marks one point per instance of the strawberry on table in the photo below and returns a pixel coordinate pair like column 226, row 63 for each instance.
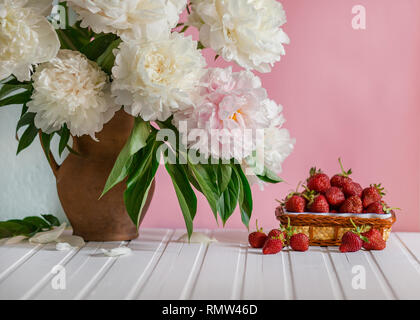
column 372, row 194
column 299, row 242
column 352, row 241
column 257, row 239
column 339, row 179
column 318, row 181
column 276, row 233
column 273, row 245
column 352, row 205
column 375, row 240
column 335, row 196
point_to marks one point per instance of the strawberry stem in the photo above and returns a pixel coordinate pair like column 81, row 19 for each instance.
column 344, row 173
column 258, row 229
column 359, row 230
column 380, row 189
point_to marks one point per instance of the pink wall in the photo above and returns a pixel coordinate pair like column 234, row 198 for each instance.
column 349, row 93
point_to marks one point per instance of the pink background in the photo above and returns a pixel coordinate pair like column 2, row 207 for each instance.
column 349, row 93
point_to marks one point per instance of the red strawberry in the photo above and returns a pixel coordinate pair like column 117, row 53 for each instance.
column 352, row 205
column 376, row 207
column 257, row 239
column 352, row 241
column 375, row 240
column 318, row 181
column 335, row 196
column 333, row 211
column 319, row 204
column 339, row 179
column 352, row 189
column 372, row 194
column 299, row 242
column 295, row 203
column 288, row 231
column 272, row 245
column 276, row 233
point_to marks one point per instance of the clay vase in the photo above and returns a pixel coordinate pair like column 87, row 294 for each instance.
column 81, row 179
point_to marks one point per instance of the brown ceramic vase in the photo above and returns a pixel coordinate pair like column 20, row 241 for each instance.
column 81, row 179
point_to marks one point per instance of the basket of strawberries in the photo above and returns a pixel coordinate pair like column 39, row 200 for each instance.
column 328, row 208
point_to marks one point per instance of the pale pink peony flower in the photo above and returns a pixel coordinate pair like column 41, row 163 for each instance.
column 229, row 110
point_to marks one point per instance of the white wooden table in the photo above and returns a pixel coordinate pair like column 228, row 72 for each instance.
column 160, row 267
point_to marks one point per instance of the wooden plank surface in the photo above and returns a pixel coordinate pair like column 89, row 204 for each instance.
column 162, row 267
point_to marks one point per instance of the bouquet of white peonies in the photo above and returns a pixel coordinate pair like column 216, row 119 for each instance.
column 215, row 130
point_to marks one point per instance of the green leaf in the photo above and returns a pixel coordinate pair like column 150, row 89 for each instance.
column 224, row 173
column 206, row 179
column 229, row 198
column 27, row 227
column 8, row 89
column 141, row 176
column 245, row 196
column 38, row 222
column 186, row 196
column 27, row 138
column 192, row 178
column 52, row 220
column 13, row 228
column 107, row 59
column 65, row 40
column 64, row 139
column 10, row 80
column 135, row 142
column 26, row 119
column 71, row 150
column 269, row 177
column 14, row 94
column 97, row 47
column 46, row 144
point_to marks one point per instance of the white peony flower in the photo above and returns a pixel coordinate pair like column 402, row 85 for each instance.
column 270, row 154
column 278, row 145
column 155, row 79
column 71, row 90
column 130, row 19
column 247, row 32
column 26, row 37
column 231, row 110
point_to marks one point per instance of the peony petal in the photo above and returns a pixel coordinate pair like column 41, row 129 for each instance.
column 63, row 246
column 14, row 240
column 120, row 251
column 48, row 236
column 42, row 7
column 197, row 237
column 74, row 241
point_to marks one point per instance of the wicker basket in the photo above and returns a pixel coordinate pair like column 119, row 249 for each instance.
column 327, row 230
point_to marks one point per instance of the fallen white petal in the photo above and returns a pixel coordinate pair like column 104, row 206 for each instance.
column 197, row 237
column 63, row 246
column 74, row 241
column 120, row 251
column 48, row 236
column 15, row 240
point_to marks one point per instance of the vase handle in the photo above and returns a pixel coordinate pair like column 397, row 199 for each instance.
column 53, row 164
